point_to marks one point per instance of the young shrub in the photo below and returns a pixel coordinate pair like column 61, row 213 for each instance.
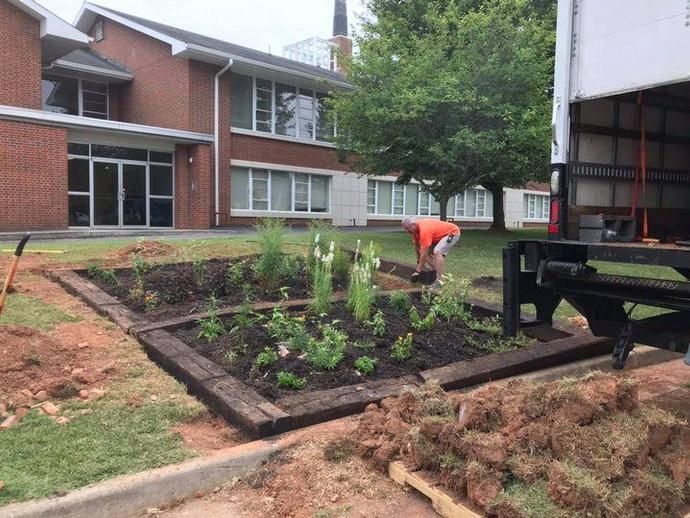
column 377, row 324
column 290, row 381
column 365, row 365
column 234, row 275
column 266, row 358
column 212, row 327
column 151, row 300
column 284, row 292
column 402, row 348
column 489, row 325
column 341, row 265
column 270, row 235
column 400, row 302
column 418, row 323
column 244, row 318
column 199, row 271
column 290, row 330
column 360, row 295
column 290, row 267
column 449, row 303
column 96, row 272
column 327, row 353
column 140, row 267
column 322, row 279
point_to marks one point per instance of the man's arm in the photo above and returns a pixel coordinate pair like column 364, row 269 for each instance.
column 421, row 257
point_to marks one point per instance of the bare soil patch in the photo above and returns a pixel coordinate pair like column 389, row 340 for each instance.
column 209, row 434
column 148, row 249
column 573, row 446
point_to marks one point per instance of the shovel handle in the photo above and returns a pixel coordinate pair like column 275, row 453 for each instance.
column 13, row 269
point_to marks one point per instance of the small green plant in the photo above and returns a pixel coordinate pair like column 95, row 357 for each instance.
column 266, row 358
column 322, row 279
column 341, row 265
column 365, row 365
column 291, row 266
column 235, row 352
column 234, row 274
column 212, row 327
column 449, row 303
column 270, row 235
column 361, row 295
column 244, row 318
column 140, row 267
column 427, row 296
column 368, row 345
column 377, row 324
column 199, row 271
column 492, row 326
column 400, row 302
column 402, row 348
column 284, row 292
column 136, row 293
column 248, row 291
column 106, row 275
column 418, row 323
column 151, row 300
column 288, row 380
column 327, row 353
column 497, row 344
column 290, row 330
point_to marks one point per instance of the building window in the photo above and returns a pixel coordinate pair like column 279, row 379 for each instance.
column 398, row 199
column 282, row 109
column 536, row 207
column 387, row 198
column 424, row 199
column 265, row 190
column 75, row 97
column 371, row 196
column 471, row 203
column 79, row 192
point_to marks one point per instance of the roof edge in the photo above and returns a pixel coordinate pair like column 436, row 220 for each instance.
column 51, row 24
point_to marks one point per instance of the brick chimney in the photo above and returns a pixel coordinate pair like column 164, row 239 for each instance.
column 340, row 34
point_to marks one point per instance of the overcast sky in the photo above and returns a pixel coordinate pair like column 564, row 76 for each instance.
column 259, row 24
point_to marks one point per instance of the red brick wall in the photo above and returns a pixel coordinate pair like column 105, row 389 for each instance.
column 159, row 93
column 33, row 177
column 20, row 58
column 193, row 187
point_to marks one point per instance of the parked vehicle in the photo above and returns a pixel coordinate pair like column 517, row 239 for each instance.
column 620, row 177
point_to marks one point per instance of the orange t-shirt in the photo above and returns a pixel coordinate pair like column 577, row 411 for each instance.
column 432, row 231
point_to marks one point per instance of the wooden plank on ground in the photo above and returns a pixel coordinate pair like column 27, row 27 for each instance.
column 444, row 504
column 511, row 363
column 161, row 347
column 83, row 288
column 324, row 405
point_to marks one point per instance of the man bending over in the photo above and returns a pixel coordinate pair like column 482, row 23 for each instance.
column 433, row 240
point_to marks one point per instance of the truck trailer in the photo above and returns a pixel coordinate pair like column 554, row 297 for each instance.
column 620, row 178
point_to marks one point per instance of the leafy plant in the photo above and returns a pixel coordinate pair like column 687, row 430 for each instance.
column 327, row 353
column 322, row 279
column 234, row 274
column 270, row 235
column 319, row 232
column 490, row 325
column 235, row 352
column 106, row 275
column 140, row 267
column 360, row 296
column 341, row 265
column 284, row 292
column 151, row 300
column 290, row 330
column 365, row 346
column 291, row 266
column 400, row 302
column 136, row 292
column 244, row 318
column 427, row 296
column 212, row 327
column 288, row 380
column 248, row 291
column 266, row 358
column 449, row 303
column 499, row 344
column 377, row 324
column 421, row 324
column 199, row 271
column 365, row 365
column 402, row 348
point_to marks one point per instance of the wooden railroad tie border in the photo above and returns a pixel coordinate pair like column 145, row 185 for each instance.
column 442, row 501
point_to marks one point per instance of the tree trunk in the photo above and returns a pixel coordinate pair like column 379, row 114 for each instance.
column 499, row 223
column 444, row 208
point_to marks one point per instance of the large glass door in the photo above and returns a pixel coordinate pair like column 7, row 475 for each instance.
column 119, row 194
column 133, row 194
column 106, row 193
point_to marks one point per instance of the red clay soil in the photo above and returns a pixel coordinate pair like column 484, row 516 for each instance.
column 588, row 444
column 146, row 249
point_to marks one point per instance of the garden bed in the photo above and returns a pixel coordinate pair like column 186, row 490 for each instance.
column 172, row 290
column 443, row 344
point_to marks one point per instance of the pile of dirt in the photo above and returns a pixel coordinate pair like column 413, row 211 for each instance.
column 36, row 367
column 522, row 449
column 147, row 248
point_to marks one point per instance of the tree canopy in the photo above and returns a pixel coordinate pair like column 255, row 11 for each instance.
column 451, row 93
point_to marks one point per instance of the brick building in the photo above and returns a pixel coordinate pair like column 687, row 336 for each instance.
column 122, row 122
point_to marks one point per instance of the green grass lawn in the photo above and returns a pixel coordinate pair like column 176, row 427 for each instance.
column 24, row 310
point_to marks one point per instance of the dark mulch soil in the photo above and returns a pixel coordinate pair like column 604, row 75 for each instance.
column 443, row 344
column 179, row 294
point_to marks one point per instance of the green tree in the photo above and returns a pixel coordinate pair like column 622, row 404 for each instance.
column 451, row 93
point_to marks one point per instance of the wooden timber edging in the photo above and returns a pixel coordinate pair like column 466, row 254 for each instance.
column 241, row 405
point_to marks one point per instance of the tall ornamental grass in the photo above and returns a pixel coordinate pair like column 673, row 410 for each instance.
column 360, row 294
column 271, row 236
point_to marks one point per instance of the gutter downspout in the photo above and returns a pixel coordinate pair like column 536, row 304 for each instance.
column 216, row 137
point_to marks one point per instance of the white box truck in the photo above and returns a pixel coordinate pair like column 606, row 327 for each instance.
column 620, row 176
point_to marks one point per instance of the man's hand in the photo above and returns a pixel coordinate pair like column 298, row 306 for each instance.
column 415, row 276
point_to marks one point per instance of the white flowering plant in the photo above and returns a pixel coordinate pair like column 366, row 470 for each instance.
column 361, row 291
column 322, row 276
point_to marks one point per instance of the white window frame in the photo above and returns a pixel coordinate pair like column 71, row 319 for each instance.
column 420, row 192
column 480, row 204
column 80, row 97
column 293, row 201
column 298, row 135
column 398, row 187
column 376, row 195
column 530, row 200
